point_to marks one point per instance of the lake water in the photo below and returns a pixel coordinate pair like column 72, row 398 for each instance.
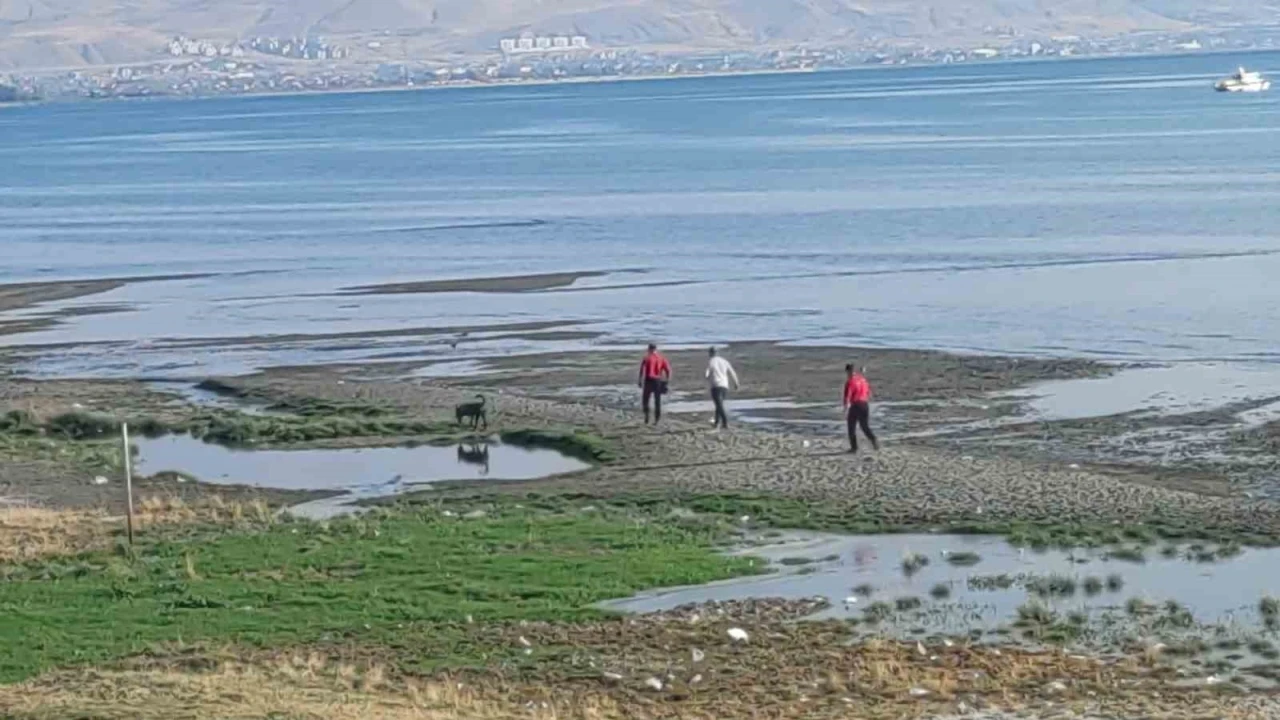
column 1107, row 208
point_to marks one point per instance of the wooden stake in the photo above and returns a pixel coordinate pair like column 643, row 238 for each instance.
column 128, row 478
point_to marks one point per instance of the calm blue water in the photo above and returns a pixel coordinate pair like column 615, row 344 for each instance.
column 1105, row 208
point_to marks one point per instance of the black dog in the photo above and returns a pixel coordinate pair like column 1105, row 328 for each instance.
column 475, row 411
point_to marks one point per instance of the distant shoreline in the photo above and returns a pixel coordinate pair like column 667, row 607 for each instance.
column 542, row 82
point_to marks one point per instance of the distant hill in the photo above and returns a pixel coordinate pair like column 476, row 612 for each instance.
column 75, row 33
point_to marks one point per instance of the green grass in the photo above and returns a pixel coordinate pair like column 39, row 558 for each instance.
column 913, row 564
column 1092, row 586
column 991, row 582
column 964, row 558
column 401, row 580
column 877, row 612
column 581, row 445
column 1128, row 554
column 1052, row 586
column 908, row 603
column 94, row 457
column 1269, row 607
column 237, row 429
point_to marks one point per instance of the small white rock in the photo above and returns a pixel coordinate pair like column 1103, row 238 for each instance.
column 475, row 515
column 449, row 513
column 99, row 480
column 917, row 692
column 948, row 643
column 1057, row 686
column 744, row 519
column 653, row 683
column 470, row 620
column 698, row 655
column 1213, row 680
column 1074, row 466
column 805, row 443
column 695, row 679
column 525, row 642
column 612, row 677
column 738, row 635
column 920, row 649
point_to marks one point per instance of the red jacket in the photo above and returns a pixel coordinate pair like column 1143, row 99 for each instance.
column 857, row 390
column 654, row 366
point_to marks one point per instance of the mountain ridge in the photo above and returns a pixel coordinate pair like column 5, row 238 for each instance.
column 77, row 33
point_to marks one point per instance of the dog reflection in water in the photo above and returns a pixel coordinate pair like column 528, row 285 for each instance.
column 475, row 454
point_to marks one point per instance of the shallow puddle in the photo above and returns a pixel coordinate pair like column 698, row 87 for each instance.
column 983, row 590
column 745, row 410
column 358, row 473
column 192, row 394
column 1162, row 390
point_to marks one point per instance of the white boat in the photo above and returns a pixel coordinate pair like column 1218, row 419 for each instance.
column 1243, row 81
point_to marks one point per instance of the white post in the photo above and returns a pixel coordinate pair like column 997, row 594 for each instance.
column 128, row 478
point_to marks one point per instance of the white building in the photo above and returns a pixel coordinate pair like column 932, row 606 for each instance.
column 542, row 43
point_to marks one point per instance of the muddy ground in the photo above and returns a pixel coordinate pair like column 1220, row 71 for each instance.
column 962, row 404
column 954, row 448
column 903, row 483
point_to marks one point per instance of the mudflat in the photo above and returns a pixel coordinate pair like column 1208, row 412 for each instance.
column 16, row 296
column 503, row 284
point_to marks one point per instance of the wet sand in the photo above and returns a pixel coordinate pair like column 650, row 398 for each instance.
column 458, row 332
column 16, row 296
column 48, row 320
column 504, row 284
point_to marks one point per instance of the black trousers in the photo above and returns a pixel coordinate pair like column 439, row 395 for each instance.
column 653, row 388
column 717, row 396
column 860, row 417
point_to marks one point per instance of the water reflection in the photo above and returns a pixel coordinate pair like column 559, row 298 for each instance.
column 475, row 454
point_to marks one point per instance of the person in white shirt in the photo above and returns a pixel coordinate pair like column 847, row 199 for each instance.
column 720, row 374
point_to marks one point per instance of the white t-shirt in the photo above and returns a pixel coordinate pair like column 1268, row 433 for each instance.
column 719, row 371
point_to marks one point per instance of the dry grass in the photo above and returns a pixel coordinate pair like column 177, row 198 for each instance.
column 30, row 533
column 786, row 671
column 306, row 685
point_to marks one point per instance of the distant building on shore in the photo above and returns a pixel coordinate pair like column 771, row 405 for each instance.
column 542, row 44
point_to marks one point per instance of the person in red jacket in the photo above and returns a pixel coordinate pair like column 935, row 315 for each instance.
column 857, row 408
column 655, row 375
